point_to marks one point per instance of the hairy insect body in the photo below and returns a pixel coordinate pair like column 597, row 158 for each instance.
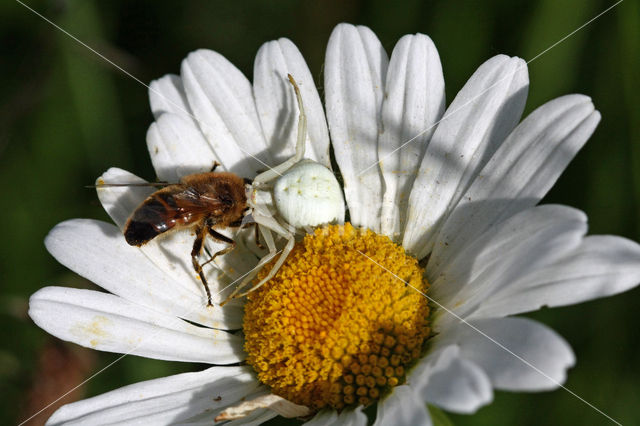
column 151, row 219
column 215, row 200
column 202, row 201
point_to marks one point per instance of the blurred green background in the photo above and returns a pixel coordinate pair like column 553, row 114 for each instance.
column 66, row 116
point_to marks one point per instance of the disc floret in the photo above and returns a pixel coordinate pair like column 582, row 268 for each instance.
column 341, row 321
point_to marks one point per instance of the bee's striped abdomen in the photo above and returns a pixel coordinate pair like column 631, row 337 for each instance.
column 155, row 216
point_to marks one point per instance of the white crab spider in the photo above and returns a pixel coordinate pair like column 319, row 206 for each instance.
column 304, row 194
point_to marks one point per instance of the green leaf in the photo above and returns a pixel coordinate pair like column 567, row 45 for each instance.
column 438, row 416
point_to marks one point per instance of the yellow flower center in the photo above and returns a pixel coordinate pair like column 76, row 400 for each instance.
column 333, row 327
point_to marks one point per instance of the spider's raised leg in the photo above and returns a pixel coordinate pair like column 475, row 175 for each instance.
column 300, row 144
column 266, row 222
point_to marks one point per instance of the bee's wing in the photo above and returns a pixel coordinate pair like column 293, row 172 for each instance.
column 176, row 205
column 194, row 202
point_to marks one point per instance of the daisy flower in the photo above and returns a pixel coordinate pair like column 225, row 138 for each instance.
column 408, row 303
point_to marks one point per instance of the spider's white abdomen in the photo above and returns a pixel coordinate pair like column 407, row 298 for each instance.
column 308, row 194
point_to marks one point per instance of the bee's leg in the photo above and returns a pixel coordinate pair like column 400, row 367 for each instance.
column 258, row 243
column 246, row 225
column 238, row 224
column 215, row 166
column 223, row 239
column 255, row 226
column 201, row 232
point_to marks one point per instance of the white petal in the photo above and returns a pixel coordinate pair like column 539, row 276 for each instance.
column 277, row 105
column 402, row 408
column 323, row 418
column 513, row 248
column 120, row 201
column 177, row 148
column 166, row 94
column 451, row 382
column 162, row 401
column 221, row 99
column 355, row 72
column 484, row 112
column 98, row 251
column 414, row 102
column 110, row 323
column 532, row 356
column 353, row 417
column 462, row 387
column 600, row 266
column 521, row 172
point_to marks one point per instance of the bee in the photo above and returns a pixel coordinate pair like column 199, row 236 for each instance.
column 204, row 202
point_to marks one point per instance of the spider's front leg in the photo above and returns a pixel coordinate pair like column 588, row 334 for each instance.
column 266, row 223
column 290, row 236
column 301, row 194
column 278, row 170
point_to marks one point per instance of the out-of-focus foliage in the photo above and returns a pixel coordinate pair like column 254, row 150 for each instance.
column 66, row 116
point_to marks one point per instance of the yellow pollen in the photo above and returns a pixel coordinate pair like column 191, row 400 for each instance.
column 332, row 328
